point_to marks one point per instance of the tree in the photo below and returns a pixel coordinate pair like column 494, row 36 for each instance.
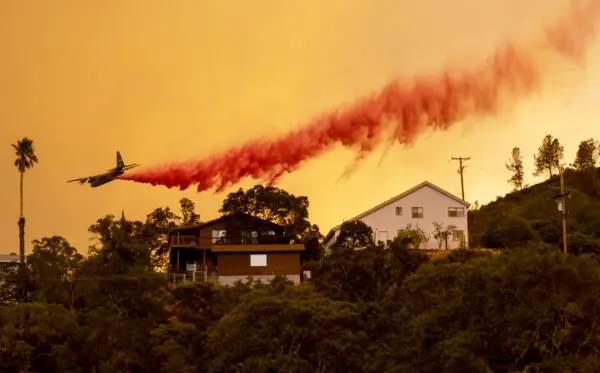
column 461, row 313
column 515, row 165
column 313, row 244
column 441, row 233
column 38, row 337
column 355, row 235
column 280, row 339
column 367, row 274
column 587, row 155
column 53, row 265
column 272, row 204
column 188, row 212
column 119, row 248
column 111, row 233
column 26, row 159
column 549, row 157
column 510, row 232
column 414, row 237
column 156, row 230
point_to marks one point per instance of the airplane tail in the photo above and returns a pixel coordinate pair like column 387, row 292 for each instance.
column 120, row 163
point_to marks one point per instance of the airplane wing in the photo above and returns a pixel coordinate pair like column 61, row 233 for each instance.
column 83, row 180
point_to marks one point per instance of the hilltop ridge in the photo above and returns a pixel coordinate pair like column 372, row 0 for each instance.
column 531, row 215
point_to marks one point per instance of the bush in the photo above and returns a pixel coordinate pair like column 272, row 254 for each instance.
column 511, row 231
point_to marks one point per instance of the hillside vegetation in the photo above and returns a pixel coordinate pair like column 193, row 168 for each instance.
column 530, row 214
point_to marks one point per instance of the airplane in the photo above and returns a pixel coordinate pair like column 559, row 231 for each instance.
column 110, row 175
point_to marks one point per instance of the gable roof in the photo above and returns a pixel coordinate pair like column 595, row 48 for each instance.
column 396, row 198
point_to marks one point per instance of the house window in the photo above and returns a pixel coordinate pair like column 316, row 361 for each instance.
column 417, row 212
column 383, row 236
column 218, row 236
column 271, row 233
column 458, row 236
column 258, row 260
column 249, row 237
column 456, row 212
column 398, row 211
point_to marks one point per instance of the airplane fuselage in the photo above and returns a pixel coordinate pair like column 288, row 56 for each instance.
column 106, row 178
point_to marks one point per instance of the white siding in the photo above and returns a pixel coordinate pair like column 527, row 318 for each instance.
column 435, row 208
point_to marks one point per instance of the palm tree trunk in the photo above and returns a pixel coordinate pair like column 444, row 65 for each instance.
column 21, row 210
column 22, row 228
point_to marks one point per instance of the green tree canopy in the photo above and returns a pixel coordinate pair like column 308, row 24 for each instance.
column 355, row 235
column 53, row 265
column 26, row 157
column 188, row 212
column 272, row 204
column 549, row 157
column 587, row 155
column 515, row 165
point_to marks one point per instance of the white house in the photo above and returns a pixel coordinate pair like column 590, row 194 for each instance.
column 419, row 206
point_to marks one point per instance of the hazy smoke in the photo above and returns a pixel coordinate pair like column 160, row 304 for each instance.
column 407, row 107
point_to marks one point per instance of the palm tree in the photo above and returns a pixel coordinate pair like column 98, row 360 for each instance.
column 26, row 159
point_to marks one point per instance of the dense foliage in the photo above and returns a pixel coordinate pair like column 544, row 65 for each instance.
column 375, row 309
column 369, row 307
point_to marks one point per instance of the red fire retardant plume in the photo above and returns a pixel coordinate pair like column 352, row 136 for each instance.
column 406, row 107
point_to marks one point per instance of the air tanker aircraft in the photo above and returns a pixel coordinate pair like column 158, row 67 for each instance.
column 110, row 175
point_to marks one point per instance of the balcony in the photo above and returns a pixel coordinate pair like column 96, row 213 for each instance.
column 183, row 241
column 256, row 240
column 205, row 242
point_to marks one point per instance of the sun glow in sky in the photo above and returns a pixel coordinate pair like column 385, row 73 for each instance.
column 163, row 81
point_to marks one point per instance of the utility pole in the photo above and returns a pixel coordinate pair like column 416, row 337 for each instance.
column 563, row 208
column 460, row 171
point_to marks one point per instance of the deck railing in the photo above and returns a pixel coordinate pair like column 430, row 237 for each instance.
column 184, row 241
column 245, row 240
column 192, row 241
column 193, row 276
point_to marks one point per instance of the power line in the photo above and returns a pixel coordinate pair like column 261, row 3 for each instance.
column 461, row 168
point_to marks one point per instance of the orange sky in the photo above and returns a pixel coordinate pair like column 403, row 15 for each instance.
column 164, row 81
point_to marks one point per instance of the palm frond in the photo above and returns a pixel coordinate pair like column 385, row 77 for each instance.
column 25, row 153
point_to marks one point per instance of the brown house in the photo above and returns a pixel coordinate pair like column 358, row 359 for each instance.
column 233, row 247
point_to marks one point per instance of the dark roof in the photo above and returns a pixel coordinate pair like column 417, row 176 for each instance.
column 224, row 217
column 396, row 198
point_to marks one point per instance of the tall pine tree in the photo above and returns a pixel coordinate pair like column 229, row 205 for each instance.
column 587, row 155
column 515, row 165
column 549, row 157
